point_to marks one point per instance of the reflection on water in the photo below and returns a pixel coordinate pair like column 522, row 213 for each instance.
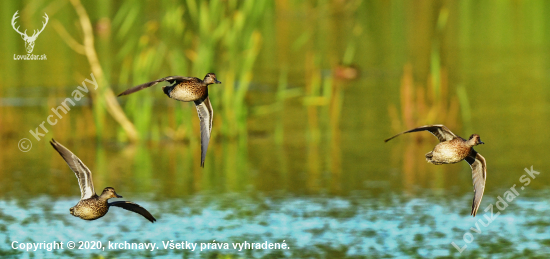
column 321, row 227
column 300, row 157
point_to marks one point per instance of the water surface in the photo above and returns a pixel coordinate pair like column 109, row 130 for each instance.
column 307, row 169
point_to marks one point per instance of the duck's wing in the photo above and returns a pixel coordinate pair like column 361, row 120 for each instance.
column 205, row 112
column 83, row 174
column 479, row 177
column 439, row 131
column 170, row 79
column 128, row 205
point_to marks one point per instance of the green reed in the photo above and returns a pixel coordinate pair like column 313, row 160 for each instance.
column 433, row 103
column 465, row 108
column 191, row 39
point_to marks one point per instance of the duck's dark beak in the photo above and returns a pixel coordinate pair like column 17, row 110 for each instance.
column 217, row 82
column 118, row 196
column 481, row 142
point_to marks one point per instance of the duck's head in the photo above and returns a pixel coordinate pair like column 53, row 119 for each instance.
column 109, row 193
column 475, row 140
column 210, row 78
column 167, row 89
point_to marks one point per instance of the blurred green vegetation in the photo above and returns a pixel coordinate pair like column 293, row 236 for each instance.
column 303, row 81
column 192, row 39
column 310, row 90
column 256, row 41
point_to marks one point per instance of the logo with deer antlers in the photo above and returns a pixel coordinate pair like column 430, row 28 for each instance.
column 29, row 41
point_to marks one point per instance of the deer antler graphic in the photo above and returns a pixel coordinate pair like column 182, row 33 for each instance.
column 29, row 41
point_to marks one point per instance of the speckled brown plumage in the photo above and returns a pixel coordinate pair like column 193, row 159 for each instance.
column 192, row 89
column 90, row 209
column 187, row 89
column 449, row 152
column 453, row 149
column 91, row 206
